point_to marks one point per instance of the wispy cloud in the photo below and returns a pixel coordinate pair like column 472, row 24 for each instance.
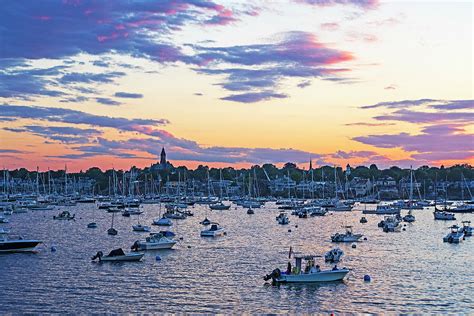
column 128, row 95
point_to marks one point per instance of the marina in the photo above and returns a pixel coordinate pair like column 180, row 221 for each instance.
column 227, row 271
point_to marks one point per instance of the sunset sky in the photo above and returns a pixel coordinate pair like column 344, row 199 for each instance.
column 108, row 83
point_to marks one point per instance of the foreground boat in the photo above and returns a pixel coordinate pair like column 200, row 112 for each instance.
column 16, row 245
column 312, row 273
column 117, row 255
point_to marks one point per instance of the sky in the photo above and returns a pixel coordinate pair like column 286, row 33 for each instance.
column 235, row 83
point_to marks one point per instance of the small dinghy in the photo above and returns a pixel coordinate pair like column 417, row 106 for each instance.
column 141, row 228
column 65, row 216
column 250, row 211
column 92, row 225
column 117, row 255
column 112, row 231
column 363, row 220
column 333, row 255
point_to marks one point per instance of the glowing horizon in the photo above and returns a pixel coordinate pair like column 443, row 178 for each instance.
column 107, row 84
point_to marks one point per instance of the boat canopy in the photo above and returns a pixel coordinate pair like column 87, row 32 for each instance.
column 117, row 252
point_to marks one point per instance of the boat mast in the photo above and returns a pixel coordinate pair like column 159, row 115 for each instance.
column 411, row 189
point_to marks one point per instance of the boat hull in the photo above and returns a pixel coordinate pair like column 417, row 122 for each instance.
column 156, row 246
column 323, row 276
column 18, row 245
column 128, row 257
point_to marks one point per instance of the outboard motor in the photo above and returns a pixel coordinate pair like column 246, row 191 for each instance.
column 135, row 246
column 274, row 275
column 99, row 255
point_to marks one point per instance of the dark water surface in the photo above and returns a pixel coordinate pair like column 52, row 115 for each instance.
column 412, row 271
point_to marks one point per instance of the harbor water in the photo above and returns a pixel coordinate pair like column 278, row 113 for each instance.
column 412, row 271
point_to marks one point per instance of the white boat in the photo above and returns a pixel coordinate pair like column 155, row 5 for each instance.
column 467, row 228
column 445, row 216
column 340, row 207
column 153, row 242
column 383, row 210
column 117, row 255
column 455, row 236
column 333, row 255
column 163, row 222
column 16, row 245
column 311, row 274
column 141, row 228
column 316, row 211
column 390, row 224
column 214, row 231
column 348, row 236
column 282, row 219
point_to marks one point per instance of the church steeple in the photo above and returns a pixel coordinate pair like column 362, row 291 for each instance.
column 163, row 157
column 310, row 164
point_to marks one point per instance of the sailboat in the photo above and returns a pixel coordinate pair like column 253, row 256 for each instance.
column 410, row 218
column 112, row 231
column 92, row 224
column 141, row 228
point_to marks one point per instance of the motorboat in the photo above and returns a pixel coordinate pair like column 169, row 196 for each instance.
column 114, row 209
column 16, row 245
column 348, row 236
column 214, row 231
column 390, row 224
column 363, row 220
column 443, row 215
column 154, row 242
column 383, row 210
column 311, row 274
column 174, row 215
column 219, row 206
column 163, row 222
column 333, row 255
column 455, row 236
column 467, row 228
column 141, row 228
column 64, row 216
column 117, row 255
column 340, row 207
column 283, row 219
column 205, row 222
column 316, row 211
column 250, row 211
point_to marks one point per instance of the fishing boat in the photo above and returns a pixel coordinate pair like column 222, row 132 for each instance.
column 214, row 231
column 348, row 236
column 117, row 255
column 311, row 274
column 390, row 224
column 154, row 242
column 333, row 255
column 443, row 215
column 64, row 216
column 455, row 236
column 16, row 245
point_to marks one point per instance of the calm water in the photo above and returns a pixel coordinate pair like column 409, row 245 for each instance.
column 412, row 271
